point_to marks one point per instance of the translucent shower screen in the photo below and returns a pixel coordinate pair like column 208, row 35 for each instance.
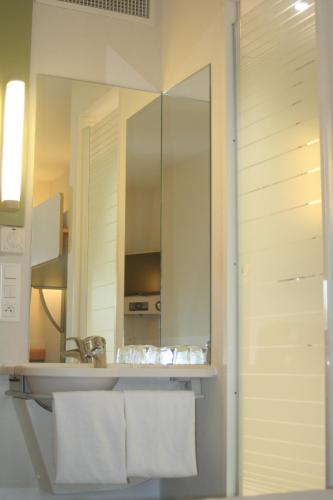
column 281, row 332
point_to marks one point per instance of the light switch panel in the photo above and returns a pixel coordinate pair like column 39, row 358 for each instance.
column 12, row 240
column 10, row 271
column 10, row 291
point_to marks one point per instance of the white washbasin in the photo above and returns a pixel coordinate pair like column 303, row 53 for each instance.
column 46, row 378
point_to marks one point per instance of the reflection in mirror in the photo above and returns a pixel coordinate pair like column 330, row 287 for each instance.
column 131, row 172
column 51, row 203
column 80, row 153
column 109, row 238
column 143, row 227
column 185, row 296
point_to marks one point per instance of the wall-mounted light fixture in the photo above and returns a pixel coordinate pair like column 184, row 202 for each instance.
column 12, row 145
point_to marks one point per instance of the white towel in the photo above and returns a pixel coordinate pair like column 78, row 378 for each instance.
column 90, row 437
column 160, row 434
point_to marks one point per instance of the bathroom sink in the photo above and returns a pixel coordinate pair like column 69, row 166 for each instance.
column 46, row 378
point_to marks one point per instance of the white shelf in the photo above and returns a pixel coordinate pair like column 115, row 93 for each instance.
column 113, row 370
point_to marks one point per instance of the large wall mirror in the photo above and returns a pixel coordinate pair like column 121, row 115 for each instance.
column 121, row 217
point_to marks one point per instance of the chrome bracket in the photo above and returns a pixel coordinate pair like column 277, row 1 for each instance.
column 191, row 384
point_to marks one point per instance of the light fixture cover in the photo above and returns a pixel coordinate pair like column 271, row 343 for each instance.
column 12, row 143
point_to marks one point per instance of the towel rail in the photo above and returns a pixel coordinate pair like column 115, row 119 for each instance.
column 18, row 390
column 43, row 400
column 28, row 395
column 49, row 397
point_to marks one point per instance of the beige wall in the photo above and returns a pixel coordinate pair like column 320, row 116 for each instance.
column 192, row 37
column 43, row 190
column 93, row 47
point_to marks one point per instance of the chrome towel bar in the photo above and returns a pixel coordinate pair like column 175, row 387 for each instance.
column 19, row 390
column 49, row 397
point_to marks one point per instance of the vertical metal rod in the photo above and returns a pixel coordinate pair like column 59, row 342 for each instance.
column 232, row 398
column 63, row 325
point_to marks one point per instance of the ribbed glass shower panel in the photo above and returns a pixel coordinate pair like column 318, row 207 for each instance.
column 281, row 332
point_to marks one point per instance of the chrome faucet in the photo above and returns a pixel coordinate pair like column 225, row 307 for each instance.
column 88, row 350
column 94, row 348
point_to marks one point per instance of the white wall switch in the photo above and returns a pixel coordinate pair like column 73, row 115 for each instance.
column 10, row 291
column 12, row 240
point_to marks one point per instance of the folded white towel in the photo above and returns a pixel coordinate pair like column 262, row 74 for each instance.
column 160, row 434
column 90, row 437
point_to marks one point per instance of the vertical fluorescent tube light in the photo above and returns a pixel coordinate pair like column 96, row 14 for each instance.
column 12, row 145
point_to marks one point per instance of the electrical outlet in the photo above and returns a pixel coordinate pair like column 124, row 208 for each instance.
column 8, row 311
column 10, row 286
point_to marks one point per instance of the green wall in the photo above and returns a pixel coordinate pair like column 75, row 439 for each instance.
column 15, row 45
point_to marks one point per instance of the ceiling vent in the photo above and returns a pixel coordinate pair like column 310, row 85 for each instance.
column 137, row 8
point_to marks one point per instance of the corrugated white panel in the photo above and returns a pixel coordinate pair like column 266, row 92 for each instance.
column 284, row 262
column 280, row 252
column 283, row 388
column 297, row 328
column 264, row 174
column 102, row 235
column 296, row 224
